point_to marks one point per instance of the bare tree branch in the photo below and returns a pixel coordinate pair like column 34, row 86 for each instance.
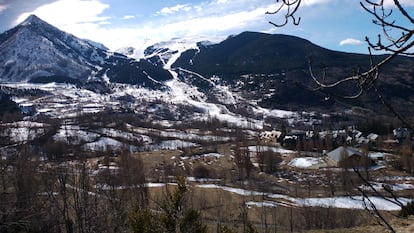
column 375, row 212
column 396, row 38
column 383, row 18
column 372, row 207
column 291, row 7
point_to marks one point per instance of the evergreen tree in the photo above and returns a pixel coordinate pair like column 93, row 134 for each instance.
column 174, row 215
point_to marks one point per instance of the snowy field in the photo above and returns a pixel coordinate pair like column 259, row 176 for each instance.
column 345, row 202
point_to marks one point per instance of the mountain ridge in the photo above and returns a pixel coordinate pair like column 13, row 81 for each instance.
column 280, row 62
column 262, row 47
column 35, row 49
column 271, row 70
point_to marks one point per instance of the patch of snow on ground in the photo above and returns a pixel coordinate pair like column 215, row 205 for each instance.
column 209, row 155
column 154, row 185
column 242, row 192
column 74, row 134
column 114, row 133
column 305, row 162
column 346, row 202
column 194, row 179
column 103, row 144
column 261, row 204
column 171, row 145
column 354, row 202
column 282, row 113
column 22, row 131
column 394, row 187
column 254, row 149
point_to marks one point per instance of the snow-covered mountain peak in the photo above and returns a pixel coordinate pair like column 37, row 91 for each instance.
column 136, row 50
column 41, row 28
column 32, row 19
column 150, row 47
column 36, row 51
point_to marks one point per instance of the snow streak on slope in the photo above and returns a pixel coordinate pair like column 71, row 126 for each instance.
column 208, row 95
column 183, row 93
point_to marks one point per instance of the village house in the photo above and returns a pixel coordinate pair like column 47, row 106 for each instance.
column 400, row 134
column 344, row 157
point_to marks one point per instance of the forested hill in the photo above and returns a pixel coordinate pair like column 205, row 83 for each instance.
column 287, row 58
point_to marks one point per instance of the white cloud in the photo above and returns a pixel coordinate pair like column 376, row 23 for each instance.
column 204, row 25
column 126, row 17
column 69, row 12
column 3, row 7
column 390, row 3
column 350, row 41
column 217, row 19
column 314, row 2
column 175, row 9
column 211, row 18
column 211, row 21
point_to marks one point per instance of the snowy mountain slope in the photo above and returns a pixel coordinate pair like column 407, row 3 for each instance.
column 151, row 87
column 149, row 47
column 34, row 48
column 193, row 89
column 128, row 117
column 211, row 96
column 36, row 51
column 272, row 69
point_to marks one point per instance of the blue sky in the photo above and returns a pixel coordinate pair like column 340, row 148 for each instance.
column 334, row 24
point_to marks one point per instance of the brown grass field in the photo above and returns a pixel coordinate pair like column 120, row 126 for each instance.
column 220, row 208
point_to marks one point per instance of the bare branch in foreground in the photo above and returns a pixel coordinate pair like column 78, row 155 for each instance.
column 396, row 38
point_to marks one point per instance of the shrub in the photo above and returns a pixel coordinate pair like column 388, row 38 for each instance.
column 407, row 210
column 201, row 171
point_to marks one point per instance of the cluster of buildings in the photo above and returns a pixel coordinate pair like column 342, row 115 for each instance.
column 340, row 148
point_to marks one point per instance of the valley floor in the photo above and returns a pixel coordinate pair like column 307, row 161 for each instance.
column 76, row 161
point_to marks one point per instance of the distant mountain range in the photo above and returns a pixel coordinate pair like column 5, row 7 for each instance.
column 270, row 70
column 35, row 51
